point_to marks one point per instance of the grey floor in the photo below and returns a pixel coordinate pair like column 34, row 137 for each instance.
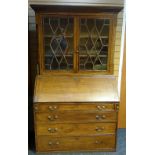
column 121, row 147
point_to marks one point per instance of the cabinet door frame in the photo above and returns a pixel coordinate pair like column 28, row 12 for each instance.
column 76, row 17
column 41, row 50
column 110, row 44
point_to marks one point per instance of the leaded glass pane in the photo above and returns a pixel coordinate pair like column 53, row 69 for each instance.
column 58, row 43
column 93, row 44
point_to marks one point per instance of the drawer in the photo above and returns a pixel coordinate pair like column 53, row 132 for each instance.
column 76, row 117
column 51, row 107
column 48, row 143
column 82, row 129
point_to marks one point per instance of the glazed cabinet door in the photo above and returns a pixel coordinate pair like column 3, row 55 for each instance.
column 57, row 39
column 76, row 43
column 95, row 43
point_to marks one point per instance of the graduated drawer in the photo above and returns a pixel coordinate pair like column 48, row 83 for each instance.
column 82, row 129
column 74, row 116
column 51, row 107
column 48, row 143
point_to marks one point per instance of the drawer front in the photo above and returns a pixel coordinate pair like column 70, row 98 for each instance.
column 48, row 143
column 51, row 107
column 83, row 129
column 76, row 117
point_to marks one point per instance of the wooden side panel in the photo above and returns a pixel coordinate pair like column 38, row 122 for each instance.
column 122, row 108
column 32, row 59
column 117, row 43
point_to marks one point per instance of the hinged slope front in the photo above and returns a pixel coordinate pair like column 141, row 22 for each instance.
column 75, row 89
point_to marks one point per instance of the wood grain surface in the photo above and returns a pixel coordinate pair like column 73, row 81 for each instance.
column 48, row 143
column 75, row 110
column 75, row 89
column 81, row 129
column 71, row 117
column 52, row 107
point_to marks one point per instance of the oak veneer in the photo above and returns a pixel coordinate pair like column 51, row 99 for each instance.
column 76, row 110
column 74, row 88
column 48, row 107
column 75, row 129
column 72, row 116
column 82, row 117
column 49, row 143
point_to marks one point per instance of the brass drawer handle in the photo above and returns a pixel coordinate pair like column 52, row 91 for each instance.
column 57, row 143
column 99, row 129
column 99, row 117
column 103, row 116
column 52, row 118
column 101, row 107
column 53, row 143
column 52, row 130
column 51, row 108
column 98, row 142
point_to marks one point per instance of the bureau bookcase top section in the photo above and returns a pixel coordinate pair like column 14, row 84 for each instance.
column 75, row 39
column 75, row 89
column 71, row 95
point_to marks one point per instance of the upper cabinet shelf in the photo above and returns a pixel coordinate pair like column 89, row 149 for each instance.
column 76, row 39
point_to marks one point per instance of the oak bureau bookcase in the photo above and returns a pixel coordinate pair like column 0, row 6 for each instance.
column 75, row 96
